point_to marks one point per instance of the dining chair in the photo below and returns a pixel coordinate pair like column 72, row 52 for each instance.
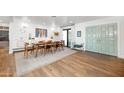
column 54, row 47
column 62, row 44
column 59, row 45
column 28, row 48
column 42, row 46
column 48, row 46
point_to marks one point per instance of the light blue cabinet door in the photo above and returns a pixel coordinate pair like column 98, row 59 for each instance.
column 91, row 39
column 111, row 39
column 115, row 38
column 107, row 46
column 97, row 39
column 94, row 39
column 87, row 38
column 102, row 39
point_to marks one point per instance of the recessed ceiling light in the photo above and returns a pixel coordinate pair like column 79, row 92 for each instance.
column 24, row 25
column 52, row 28
column 53, row 16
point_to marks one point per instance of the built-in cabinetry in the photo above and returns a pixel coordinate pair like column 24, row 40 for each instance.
column 4, row 28
column 102, row 39
column 4, row 33
column 4, row 36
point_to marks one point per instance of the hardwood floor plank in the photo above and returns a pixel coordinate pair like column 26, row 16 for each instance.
column 76, row 65
column 86, row 64
column 7, row 63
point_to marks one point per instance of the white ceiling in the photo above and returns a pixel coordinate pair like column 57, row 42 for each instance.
column 6, row 19
column 58, row 20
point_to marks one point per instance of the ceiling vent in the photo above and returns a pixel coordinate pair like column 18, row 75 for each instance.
column 67, row 25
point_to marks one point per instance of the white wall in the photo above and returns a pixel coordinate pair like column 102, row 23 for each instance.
column 79, row 40
column 18, row 34
column 118, row 20
column 51, row 33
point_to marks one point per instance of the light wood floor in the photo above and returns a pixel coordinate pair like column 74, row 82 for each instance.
column 82, row 64
column 7, row 63
column 78, row 64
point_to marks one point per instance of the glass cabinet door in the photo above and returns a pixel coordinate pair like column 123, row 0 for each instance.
column 94, row 39
column 112, row 39
column 115, row 38
column 102, row 39
column 69, row 38
column 87, row 39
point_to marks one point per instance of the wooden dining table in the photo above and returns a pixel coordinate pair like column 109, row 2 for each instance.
column 38, row 45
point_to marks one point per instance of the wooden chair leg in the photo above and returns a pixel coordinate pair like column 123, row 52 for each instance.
column 26, row 54
column 45, row 51
column 36, row 51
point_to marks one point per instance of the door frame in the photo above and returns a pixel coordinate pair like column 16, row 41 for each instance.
column 67, row 29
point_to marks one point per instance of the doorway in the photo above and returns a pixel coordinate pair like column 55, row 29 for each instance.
column 67, row 37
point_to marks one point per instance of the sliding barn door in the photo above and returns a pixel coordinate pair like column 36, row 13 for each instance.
column 102, row 39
